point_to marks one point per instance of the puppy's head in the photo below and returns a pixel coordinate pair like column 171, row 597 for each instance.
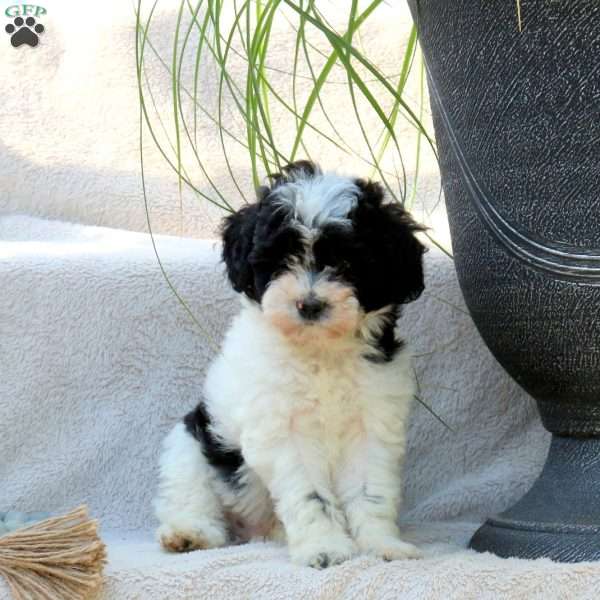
column 321, row 253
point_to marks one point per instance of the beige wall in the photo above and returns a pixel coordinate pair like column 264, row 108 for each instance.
column 69, row 127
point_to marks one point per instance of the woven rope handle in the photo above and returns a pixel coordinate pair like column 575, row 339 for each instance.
column 56, row 559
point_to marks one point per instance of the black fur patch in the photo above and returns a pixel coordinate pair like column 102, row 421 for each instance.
column 325, row 505
column 276, row 243
column 316, row 497
column 238, row 234
column 379, row 257
column 391, row 270
column 227, row 462
column 259, row 242
column 387, row 345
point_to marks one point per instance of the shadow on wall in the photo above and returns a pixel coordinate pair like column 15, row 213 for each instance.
column 103, row 196
column 114, row 198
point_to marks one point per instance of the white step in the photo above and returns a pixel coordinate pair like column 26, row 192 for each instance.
column 98, row 359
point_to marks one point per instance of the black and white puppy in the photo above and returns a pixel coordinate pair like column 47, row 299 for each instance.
column 301, row 433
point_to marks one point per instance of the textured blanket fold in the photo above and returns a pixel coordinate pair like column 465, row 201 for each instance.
column 98, row 359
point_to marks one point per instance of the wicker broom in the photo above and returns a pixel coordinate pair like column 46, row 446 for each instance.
column 57, row 559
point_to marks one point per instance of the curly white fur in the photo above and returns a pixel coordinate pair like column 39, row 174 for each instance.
column 301, row 432
column 320, row 428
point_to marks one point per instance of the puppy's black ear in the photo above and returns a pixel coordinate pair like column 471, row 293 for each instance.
column 237, row 233
column 389, row 231
column 407, row 251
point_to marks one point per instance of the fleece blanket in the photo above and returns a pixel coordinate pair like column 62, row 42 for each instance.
column 98, row 359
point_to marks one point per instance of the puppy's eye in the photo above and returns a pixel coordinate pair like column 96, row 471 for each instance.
column 344, row 265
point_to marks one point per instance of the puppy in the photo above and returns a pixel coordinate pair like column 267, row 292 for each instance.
column 300, row 435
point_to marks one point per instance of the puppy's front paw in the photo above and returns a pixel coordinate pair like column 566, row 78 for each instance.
column 389, row 547
column 200, row 535
column 323, row 553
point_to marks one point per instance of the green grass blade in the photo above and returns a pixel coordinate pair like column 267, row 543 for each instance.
column 142, row 31
column 324, row 74
column 175, row 92
column 404, row 73
column 139, row 50
column 339, row 42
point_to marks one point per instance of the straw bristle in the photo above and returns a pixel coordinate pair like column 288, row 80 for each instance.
column 57, row 559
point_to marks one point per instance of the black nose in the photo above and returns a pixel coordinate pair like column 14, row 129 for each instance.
column 311, row 308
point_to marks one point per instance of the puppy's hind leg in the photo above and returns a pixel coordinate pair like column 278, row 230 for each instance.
column 250, row 508
column 187, row 505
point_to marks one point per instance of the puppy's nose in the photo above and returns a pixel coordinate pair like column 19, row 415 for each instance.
column 311, row 308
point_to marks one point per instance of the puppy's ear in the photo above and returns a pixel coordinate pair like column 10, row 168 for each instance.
column 237, row 233
column 407, row 252
column 389, row 231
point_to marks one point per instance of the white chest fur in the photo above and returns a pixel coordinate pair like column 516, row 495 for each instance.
column 319, row 397
column 327, row 405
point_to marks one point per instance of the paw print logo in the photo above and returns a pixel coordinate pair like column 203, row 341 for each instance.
column 24, row 32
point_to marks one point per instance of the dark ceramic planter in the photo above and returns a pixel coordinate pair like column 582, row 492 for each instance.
column 517, row 122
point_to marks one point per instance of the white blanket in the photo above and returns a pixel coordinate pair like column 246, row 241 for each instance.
column 98, row 359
